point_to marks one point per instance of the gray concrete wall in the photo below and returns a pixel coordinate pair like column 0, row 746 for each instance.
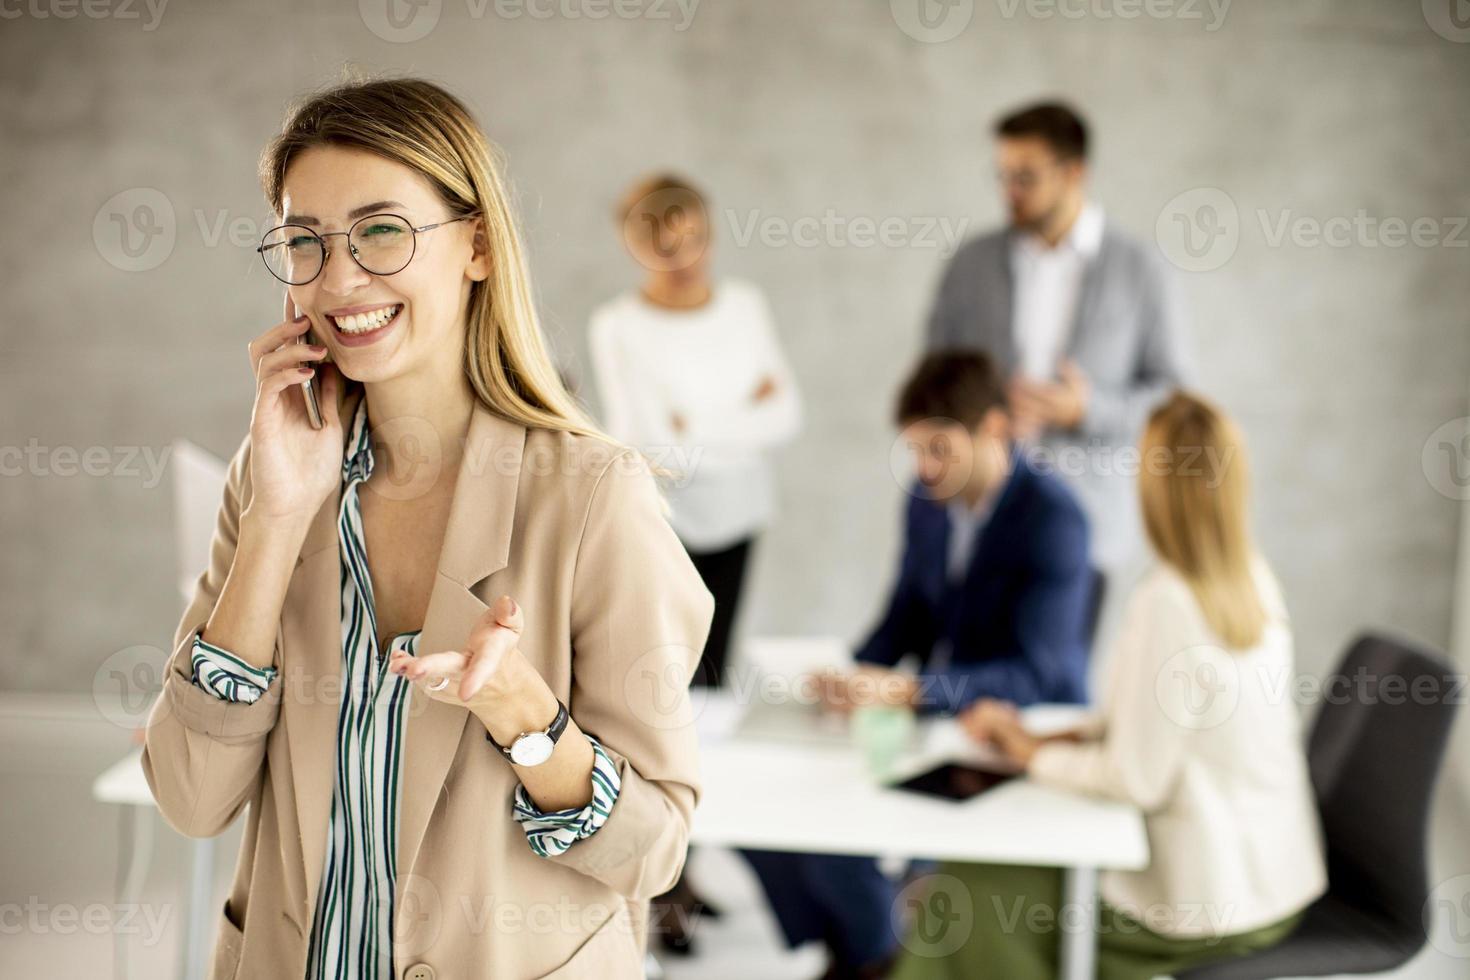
column 1340, row 361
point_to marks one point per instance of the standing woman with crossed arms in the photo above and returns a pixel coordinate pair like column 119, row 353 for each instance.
column 443, row 643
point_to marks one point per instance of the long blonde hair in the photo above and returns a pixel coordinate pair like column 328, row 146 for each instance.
column 420, row 125
column 1194, row 488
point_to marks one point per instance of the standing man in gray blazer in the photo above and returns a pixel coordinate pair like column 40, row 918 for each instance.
column 1080, row 316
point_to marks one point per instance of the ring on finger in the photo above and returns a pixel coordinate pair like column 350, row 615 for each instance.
column 440, row 684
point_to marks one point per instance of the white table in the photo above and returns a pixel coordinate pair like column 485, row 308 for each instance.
column 830, row 805
column 124, row 784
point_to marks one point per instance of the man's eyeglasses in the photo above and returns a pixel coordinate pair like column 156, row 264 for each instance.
column 381, row 244
column 1025, row 178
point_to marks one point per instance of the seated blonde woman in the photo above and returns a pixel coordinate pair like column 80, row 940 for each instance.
column 1197, row 729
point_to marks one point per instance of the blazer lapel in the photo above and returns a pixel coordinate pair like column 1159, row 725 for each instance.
column 1085, row 324
column 1002, row 298
column 476, row 544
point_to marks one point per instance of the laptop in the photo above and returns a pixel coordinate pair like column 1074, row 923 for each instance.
column 776, row 705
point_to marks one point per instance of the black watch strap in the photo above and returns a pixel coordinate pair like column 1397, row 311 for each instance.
column 558, row 725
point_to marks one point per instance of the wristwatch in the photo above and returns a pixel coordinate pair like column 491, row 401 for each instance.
column 534, row 748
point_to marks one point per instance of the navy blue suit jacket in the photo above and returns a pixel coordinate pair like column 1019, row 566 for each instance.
column 1017, row 621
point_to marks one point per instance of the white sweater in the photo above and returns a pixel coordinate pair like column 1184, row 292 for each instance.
column 704, row 364
column 1207, row 742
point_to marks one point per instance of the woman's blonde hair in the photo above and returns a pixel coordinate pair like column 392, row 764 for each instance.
column 1194, row 488
column 420, row 125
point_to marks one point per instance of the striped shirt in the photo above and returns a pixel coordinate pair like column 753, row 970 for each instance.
column 352, row 930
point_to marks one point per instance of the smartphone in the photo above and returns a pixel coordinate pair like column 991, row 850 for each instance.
column 308, row 387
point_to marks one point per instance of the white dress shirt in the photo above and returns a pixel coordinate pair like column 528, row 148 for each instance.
column 704, row 364
column 965, row 525
column 1048, row 283
column 1207, row 742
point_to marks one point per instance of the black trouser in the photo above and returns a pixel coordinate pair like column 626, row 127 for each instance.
column 723, row 572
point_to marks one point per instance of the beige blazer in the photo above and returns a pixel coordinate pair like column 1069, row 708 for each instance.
column 616, row 618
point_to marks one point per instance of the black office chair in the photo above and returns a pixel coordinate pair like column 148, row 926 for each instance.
column 1374, row 759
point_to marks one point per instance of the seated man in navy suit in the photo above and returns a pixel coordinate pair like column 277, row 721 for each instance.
column 992, row 598
column 995, row 586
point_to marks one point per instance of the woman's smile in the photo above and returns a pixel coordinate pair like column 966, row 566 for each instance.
column 358, row 326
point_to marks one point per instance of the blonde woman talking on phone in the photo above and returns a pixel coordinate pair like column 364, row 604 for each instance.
column 443, row 643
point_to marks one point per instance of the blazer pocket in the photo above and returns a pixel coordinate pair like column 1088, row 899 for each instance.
column 227, row 947
column 608, row 954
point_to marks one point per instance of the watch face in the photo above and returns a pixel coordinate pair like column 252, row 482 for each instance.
column 531, row 749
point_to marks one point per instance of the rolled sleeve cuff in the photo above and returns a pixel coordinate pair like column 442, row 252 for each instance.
column 225, row 675
column 550, row 834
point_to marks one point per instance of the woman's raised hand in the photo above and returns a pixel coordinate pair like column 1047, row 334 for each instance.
column 486, row 675
column 490, row 676
column 293, row 467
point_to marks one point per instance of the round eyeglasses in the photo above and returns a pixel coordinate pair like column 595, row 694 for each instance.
column 381, row 244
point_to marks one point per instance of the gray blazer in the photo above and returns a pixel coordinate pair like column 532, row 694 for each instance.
column 1126, row 338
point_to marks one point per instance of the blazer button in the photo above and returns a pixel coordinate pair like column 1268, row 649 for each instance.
column 419, row 971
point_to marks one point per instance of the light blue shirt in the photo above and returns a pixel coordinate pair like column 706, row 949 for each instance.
column 965, row 525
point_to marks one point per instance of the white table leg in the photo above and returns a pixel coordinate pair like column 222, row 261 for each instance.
column 198, row 934
column 1078, row 924
column 137, row 854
